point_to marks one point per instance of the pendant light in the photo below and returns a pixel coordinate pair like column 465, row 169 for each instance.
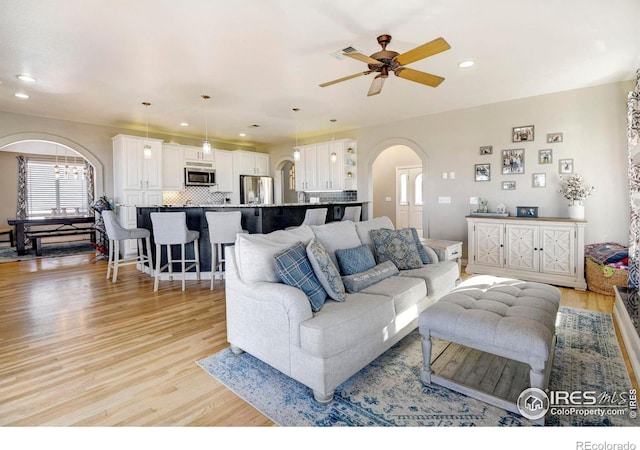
column 206, row 145
column 296, row 149
column 147, row 147
column 66, row 166
column 56, row 169
column 334, row 156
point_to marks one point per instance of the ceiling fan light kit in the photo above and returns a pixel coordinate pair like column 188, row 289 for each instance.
column 384, row 61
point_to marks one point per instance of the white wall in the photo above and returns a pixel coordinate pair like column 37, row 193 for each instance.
column 593, row 121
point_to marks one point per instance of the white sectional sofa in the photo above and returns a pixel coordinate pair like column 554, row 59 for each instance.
column 276, row 323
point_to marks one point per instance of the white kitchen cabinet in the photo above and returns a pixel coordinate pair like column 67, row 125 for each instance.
column 172, row 167
column 137, row 181
column 197, row 154
column 317, row 171
column 547, row 250
column 224, row 170
column 131, row 169
column 251, row 163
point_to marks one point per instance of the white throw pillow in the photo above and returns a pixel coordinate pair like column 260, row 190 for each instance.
column 255, row 252
column 336, row 235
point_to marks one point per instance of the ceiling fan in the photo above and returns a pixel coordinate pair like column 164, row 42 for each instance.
column 386, row 61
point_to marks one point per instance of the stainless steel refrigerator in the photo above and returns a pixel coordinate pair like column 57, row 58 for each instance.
column 256, row 190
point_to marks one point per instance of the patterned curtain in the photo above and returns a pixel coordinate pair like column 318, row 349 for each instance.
column 88, row 173
column 633, row 141
column 21, row 208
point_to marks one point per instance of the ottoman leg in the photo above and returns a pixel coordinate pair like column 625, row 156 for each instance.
column 425, row 374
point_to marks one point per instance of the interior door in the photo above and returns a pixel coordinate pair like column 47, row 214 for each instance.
column 409, row 189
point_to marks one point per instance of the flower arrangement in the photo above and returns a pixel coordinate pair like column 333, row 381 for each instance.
column 573, row 188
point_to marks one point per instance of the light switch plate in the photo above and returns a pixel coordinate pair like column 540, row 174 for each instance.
column 444, row 199
column 473, row 200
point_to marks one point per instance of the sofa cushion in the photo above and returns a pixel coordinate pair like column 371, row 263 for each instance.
column 254, row 252
column 336, row 235
column 341, row 326
column 405, row 292
column 363, row 229
column 396, row 246
column 358, row 281
column 421, row 250
column 355, row 260
column 326, row 272
column 294, row 268
column 440, row 278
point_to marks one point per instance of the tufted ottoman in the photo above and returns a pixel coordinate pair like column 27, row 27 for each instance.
column 509, row 318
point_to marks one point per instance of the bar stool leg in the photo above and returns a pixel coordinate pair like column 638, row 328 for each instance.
column 214, row 265
column 116, row 259
column 148, row 256
column 110, row 259
column 170, row 262
column 196, row 252
column 158, row 258
column 184, row 272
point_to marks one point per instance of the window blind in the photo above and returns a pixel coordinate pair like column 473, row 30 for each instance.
column 45, row 192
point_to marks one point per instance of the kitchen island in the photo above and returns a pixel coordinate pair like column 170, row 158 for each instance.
column 255, row 219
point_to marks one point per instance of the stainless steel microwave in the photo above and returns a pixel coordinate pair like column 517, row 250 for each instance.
column 199, row 177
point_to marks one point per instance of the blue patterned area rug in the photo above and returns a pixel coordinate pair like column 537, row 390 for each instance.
column 388, row 392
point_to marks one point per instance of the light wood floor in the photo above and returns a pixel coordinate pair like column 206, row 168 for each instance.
column 76, row 349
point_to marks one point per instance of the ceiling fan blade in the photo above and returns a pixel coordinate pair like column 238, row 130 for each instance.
column 376, row 85
column 429, row 49
column 355, row 75
column 363, row 58
column 418, row 77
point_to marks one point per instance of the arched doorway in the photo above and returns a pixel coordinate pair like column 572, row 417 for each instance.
column 284, row 181
column 397, row 183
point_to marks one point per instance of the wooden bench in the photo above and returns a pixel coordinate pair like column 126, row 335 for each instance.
column 8, row 231
column 36, row 236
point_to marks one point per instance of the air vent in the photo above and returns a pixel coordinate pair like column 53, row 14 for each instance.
column 339, row 54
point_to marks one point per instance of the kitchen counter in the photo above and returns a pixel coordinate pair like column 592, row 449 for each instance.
column 255, row 219
column 258, row 205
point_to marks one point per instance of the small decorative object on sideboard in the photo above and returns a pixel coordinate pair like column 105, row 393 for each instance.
column 573, row 188
column 527, row 211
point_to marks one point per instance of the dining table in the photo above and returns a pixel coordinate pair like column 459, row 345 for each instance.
column 57, row 223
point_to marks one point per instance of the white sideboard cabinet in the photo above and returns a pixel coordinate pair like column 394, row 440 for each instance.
column 547, row 250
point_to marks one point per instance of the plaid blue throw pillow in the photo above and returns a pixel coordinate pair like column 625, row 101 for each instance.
column 294, row 268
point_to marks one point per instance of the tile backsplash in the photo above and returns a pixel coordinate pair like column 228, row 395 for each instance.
column 200, row 195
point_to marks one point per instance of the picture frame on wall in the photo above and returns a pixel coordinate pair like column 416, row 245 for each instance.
column 513, row 161
column 525, row 133
column 486, row 150
column 483, row 172
column 545, row 156
column 508, row 185
column 553, row 138
column 565, row 166
column 539, row 180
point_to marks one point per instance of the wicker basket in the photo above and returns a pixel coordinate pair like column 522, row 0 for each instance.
column 602, row 279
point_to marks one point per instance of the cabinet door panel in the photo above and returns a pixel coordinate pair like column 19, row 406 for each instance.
column 489, row 244
column 557, row 250
column 522, row 247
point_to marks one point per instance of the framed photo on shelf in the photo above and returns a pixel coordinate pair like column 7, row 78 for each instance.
column 565, row 166
column 539, row 180
column 486, row 150
column 545, row 156
column 483, row 172
column 552, row 138
column 513, row 161
column 520, row 134
column 508, row 185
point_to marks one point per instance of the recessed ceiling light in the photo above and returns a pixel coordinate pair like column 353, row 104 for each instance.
column 27, row 78
column 242, row 134
column 465, row 64
column 21, row 95
column 184, row 124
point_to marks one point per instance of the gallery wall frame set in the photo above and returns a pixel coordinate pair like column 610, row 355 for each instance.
column 565, row 166
column 483, row 172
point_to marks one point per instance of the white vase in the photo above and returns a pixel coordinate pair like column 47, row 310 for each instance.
column 576, row 212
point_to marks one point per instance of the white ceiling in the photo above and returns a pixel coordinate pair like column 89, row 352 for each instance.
column 97, row 61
